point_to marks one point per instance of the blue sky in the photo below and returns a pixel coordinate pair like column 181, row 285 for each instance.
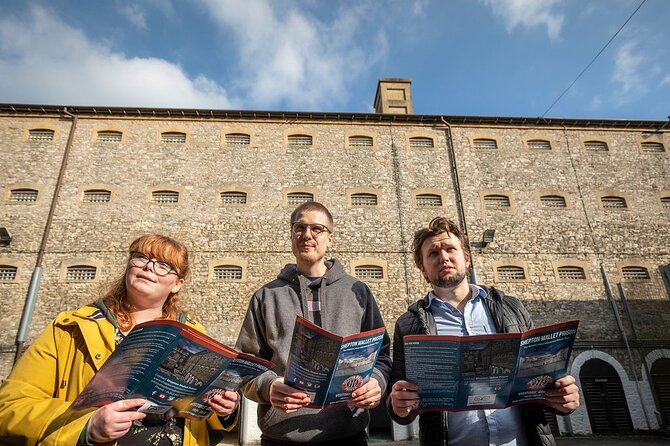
column 464, row 57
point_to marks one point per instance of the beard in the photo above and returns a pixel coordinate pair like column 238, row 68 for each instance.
column 448, row 282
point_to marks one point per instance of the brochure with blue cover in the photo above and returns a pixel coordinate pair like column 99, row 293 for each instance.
column 487, row 371
column 329, row 367
column 174, row 366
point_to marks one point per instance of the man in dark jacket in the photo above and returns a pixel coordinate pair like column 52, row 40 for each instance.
column 455, row 307
column 321, row 291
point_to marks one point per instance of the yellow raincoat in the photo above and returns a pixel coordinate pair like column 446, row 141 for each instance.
column 34, row 398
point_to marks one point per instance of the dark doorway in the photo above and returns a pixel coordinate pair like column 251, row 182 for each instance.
column 605, row 400
column 660, row 382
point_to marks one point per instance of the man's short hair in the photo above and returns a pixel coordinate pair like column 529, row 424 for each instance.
column 312, row 206
column 437, row 226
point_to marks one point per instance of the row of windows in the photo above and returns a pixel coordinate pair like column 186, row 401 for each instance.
column 233, row 139
column 305, row 140
column 226, row 197
column 83, row 273
column 236, row 197
column 571, row 272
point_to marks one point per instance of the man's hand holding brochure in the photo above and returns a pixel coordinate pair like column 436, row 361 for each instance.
column 487, row 371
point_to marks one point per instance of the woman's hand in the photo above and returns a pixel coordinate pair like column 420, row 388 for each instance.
column 224, row 404
column 114, row 420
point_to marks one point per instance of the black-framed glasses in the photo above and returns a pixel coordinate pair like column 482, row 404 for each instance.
column 159, row 267
column 299, row 229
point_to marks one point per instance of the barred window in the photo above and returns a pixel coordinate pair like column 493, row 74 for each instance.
column 539, row 144
column 360, row 141
column 421, row 142
column 41, row 135
column 571, row 273
column 665, row 202
column 364, row 272
column 596, row 146
column 238, row 139
column 97, row 196
column 7, row 273
column 227, row 272
column 486, row 144
column 510, row 272
column 80, row 272
column 363, row 199
column 23, row 195
column 428, row 200
column 613, row 202
column 299, row 140
column 109, row 136
column 496, row 201
column 173, row 137
column 635, row 273
column 233, row 197
column 165, row 197
column 652, row 147
column 297, row 198
column 553, row 201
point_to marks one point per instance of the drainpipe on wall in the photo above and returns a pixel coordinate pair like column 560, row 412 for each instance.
column 36, row 278
column 610, row 297
column 459, row 197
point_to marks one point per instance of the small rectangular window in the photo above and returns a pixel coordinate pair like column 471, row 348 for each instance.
column 360, row 141
column 369, row 272
column 7, row 273
column 173, row 138
column 428, row 200
column 613, row 202
column 652, row 147
column 297, row 198
column 81, row 273
column 421, row 142
column 97, row 196
column 363, row 200
column 109, row 136
column 511, row 273
column 596, row 146
column 665, row 202
column 486, row 144
column 571, row 273
column 227, row 272
column 238, row 139
column 233, row 197
column 635, row 273
column 553, row 201
column 497, row 201
column 165, row 197
column 41, row 135
column 23, row 195
column 539, row 144
column 299, row 140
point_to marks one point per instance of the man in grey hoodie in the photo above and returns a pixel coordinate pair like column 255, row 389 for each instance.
column 322, row 292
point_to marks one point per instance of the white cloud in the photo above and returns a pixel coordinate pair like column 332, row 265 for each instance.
column 288, row 58
column 43, row 60
column 665, row 81
column 628, row 64
column 529, row 14
column 134, row 13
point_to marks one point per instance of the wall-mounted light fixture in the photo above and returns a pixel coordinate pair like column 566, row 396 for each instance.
column 488, row 236
column 5, row 237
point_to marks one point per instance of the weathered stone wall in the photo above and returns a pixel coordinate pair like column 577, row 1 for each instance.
column 257, row 233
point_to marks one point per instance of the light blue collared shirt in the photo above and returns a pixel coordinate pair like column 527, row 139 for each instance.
column 493, row 427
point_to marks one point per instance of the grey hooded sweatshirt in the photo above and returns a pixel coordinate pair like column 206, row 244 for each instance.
column 347, row 307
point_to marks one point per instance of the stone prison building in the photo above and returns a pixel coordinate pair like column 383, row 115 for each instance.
column 570, row 215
